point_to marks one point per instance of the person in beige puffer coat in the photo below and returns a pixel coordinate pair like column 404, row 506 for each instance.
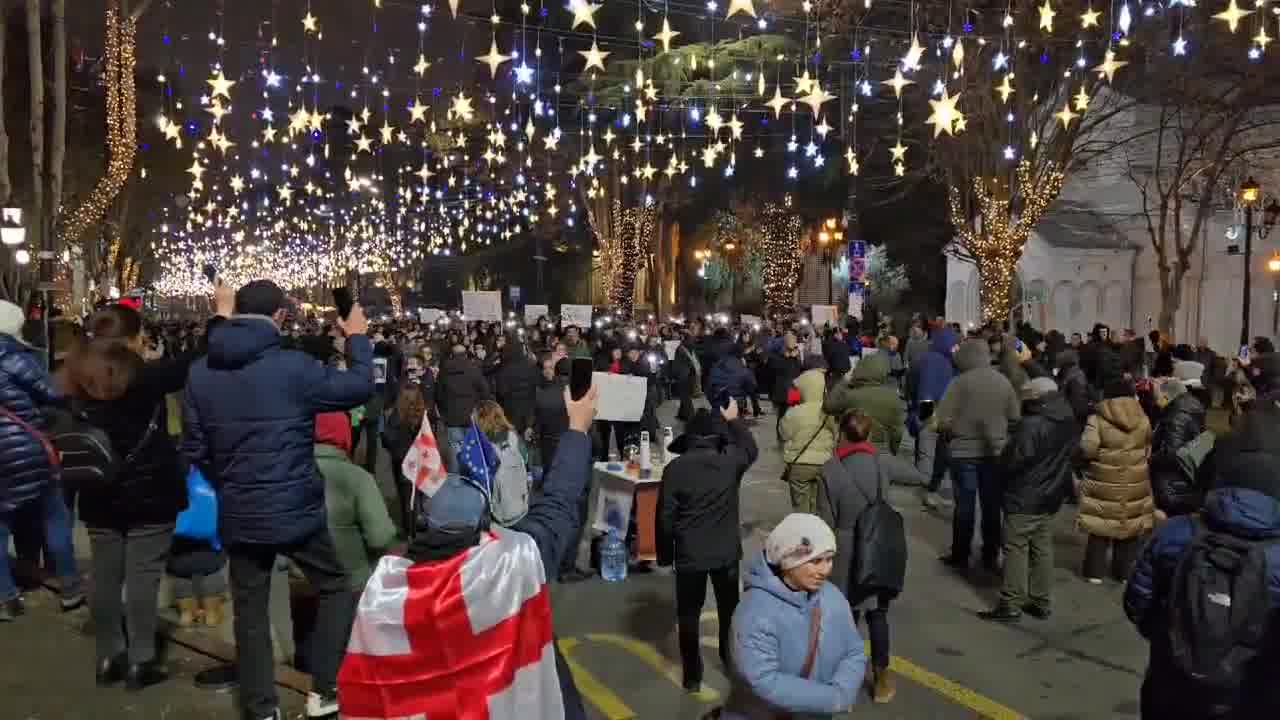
column 808, row 439
column 1116, row 504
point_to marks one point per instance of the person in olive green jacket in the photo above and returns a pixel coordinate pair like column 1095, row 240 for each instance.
column 870, row 390
column 359, row 522
column 808, row 439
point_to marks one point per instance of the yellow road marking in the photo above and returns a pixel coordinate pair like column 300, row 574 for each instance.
column 953, row 691
column 651, row 657
column 605, row 700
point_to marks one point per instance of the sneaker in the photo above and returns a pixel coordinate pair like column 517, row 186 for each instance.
column 1093, row 580
column 274, row 716
column 11, row 610
column 72, row 603
column 1001, row 613
column 144, row 675
column 322, row 704
column 1039, row 612
column 934, row 501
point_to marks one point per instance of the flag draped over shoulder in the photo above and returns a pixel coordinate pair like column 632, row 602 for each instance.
column 466, row 638
column 423, row 465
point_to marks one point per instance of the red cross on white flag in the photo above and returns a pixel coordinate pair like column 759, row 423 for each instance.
column 468, row 638
column 423, row 465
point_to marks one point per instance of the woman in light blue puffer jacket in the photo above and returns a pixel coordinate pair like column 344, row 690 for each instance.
column 786, row 588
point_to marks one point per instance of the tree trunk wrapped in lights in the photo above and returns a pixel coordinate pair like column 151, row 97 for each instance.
column 993, row 231
column 122, row 123
column 780, row 253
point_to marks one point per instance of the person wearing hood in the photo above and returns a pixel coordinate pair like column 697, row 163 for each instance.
column 796, row 650
column 835, row 350
column 1073, row 385
column 1116, row 506
column 927, row 381
column 249, row 425
column 869, row 390
column 1243, row 505
column 977, row 413
column 850, row 481
column 1035, row 474
column 1010, row 357
column 460, row 386
column 686, row 371
column 731, row 378
column 28, row 471
column 808, row 437
column 698, row 526
column 1181, row 421
column 785, row 365
column 516, row 384
column 917, row 345
column 358, row 519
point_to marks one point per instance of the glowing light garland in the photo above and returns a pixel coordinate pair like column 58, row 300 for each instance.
column 122, row 125
column 997, row 232
column 781, row 254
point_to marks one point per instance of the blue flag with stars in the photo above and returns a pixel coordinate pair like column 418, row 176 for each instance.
column 478, row 459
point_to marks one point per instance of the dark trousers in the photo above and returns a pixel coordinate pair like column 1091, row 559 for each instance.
column 369, row 429
column 691, row 593
column 877, row 626
column 975, row 481
column 132, row 561
column 569, row 562
column 606, row 430
column 685, row 391
column 251, row 568
column 941, row 459
column 1123, row 554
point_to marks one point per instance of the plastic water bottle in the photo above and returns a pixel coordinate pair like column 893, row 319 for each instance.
column 613, row 558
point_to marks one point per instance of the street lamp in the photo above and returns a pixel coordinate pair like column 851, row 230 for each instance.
column 1273, row 266
column 11, row 230
column 1249, row 194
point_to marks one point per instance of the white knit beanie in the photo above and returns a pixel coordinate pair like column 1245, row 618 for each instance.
column 798, row 539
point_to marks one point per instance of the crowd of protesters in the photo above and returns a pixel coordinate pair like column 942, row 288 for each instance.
column 288, row 417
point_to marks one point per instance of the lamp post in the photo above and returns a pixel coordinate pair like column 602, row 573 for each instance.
column 1273, row 266
column 1249, row 194
column 830, row 234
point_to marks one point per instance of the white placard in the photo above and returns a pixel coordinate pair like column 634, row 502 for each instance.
column 671, row 347
column 820, row 315
column 483, row 305
column 621, row 396
column 855, row 305
column 752, row 321
column 426, row 316
column 533, row 312
column 579, row 315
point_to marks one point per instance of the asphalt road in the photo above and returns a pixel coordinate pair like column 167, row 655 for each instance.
column 1085, row 662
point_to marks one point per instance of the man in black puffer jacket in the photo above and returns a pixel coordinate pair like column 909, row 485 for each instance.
column 1035, row 470
column 1181, row 422
column 516, row 383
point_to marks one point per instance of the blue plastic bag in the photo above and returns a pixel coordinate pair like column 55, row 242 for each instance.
column 200, row 520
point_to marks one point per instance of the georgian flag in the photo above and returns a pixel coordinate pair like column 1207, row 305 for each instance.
column 467, row 638
column 423, row 465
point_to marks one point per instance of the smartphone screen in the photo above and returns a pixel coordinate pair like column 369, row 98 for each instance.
column 1244, row 352
column 343, row 301
column 580, row 377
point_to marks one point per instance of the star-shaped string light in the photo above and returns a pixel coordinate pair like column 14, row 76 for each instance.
column 387, row 132
column 851, row 158
column 1232, row 15
column 309, row 23
column 1065, row 115
column 595, row 58
column 1081, row 100
column 583, row 12
column 897, row 82
column 666, row 35
column 944, row 114
column 237, row 184
column 1046, row 16
column 735, row 127
column 778, row 102
column 418, row 111
column 493, row 59
column 421, row 67
column 804, row 83
column 1005, row 88
column 221, row 86
column 1089, row 18
column 911, row 61
column 1109, row 65
column 817, row 98
column 461, row 108
column 740, row 6
column 898, row 151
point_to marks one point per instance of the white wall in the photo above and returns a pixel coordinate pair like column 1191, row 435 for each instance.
column 1081, row 287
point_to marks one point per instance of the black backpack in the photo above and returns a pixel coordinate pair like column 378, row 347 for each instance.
column 879, row 562
column 88, row 455
column 1220, row 606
